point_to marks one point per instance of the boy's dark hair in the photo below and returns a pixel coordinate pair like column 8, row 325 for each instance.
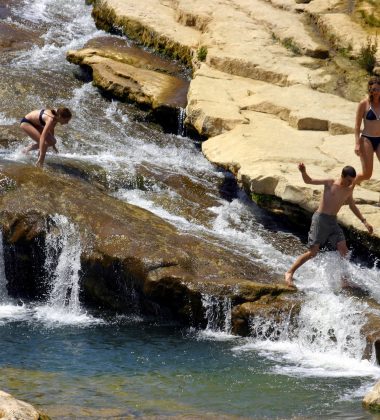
column 348, row 171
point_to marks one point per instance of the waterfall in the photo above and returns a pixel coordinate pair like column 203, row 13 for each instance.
column 217, row 313
column 181, row 122
column 3, row 279
column 63, row 251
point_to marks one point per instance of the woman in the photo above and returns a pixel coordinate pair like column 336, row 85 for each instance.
column 39, row 125
column 368, row 142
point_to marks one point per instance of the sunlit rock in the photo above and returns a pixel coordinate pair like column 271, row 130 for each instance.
column 12, row 409
column 130, row 74
column 372, row 398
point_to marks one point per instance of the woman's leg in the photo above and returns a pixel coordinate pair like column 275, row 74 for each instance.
column 366, row 158
column 34, row 134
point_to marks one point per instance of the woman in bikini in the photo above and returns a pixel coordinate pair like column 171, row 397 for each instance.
column 367, row 142
column 39, row 125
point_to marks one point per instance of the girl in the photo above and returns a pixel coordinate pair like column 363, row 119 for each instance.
column 39, row 125
column 368, row 141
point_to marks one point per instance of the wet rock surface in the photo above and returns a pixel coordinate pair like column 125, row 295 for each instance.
column 125, row 250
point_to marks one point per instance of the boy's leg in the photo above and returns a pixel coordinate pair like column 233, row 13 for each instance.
column 313, row 251
column 343, row 252
column 342, row 249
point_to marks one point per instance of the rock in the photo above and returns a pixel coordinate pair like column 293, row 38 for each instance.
column 125, row 250
column 248, row 319
column 371, row 400
column 154, row 24
column 129, row 75
column 14, row 38
column 345, row 34
column 13, row 409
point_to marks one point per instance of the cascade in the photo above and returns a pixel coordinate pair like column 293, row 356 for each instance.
column 218, row 313
column 3, row 280
column 181, row 122
column 63, row 251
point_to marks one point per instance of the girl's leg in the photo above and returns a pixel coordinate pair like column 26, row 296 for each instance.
column 366, row 158
column 34, row 134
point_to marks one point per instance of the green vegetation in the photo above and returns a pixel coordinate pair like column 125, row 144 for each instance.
column 202, row 53
column 289, row 44
column 367, row 56
column 370, row 19
column 346, row 51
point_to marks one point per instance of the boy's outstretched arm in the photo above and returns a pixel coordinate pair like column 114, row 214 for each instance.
column 357, row 213
column 308, row 180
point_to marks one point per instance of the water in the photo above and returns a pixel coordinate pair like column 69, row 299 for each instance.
column 106, row 367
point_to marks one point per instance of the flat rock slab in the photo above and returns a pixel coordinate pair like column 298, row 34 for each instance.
column 112, row 73
column 272, row 170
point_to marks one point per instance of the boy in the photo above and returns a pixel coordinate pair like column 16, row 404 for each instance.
column 324, row 226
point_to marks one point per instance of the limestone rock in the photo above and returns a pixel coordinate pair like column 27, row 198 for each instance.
column 13, row 409
column 372, row 398
column 125, row 81
column 273, row 170
column 345, row 34
column 153, row 23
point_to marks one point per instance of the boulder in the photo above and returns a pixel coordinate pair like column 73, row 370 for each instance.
column 371, row 400
column 13, row 409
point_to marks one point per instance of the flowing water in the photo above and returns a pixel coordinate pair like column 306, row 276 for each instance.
column 76, row 364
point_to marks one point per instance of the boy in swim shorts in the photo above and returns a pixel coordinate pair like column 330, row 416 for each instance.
column 324, row 226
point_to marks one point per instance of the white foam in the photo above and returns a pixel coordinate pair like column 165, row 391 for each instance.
column 294, row 359
column 52, row 316
column 4, row 120
column 10, row 312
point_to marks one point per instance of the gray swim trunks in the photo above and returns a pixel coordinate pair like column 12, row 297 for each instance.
column 325, row 229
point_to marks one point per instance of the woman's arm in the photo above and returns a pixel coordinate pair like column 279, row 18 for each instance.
column 48, row 130
column 358, row 122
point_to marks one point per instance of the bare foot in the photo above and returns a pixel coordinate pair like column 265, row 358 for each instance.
column 289, row 280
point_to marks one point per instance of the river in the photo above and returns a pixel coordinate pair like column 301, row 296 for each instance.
column 73, row 363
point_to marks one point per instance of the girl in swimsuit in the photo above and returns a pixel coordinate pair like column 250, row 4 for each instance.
column 368, row 141
column 39, row 125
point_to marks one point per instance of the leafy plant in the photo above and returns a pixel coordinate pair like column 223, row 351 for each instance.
column 202, row 53
column 289, row 44
column 367, row 55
